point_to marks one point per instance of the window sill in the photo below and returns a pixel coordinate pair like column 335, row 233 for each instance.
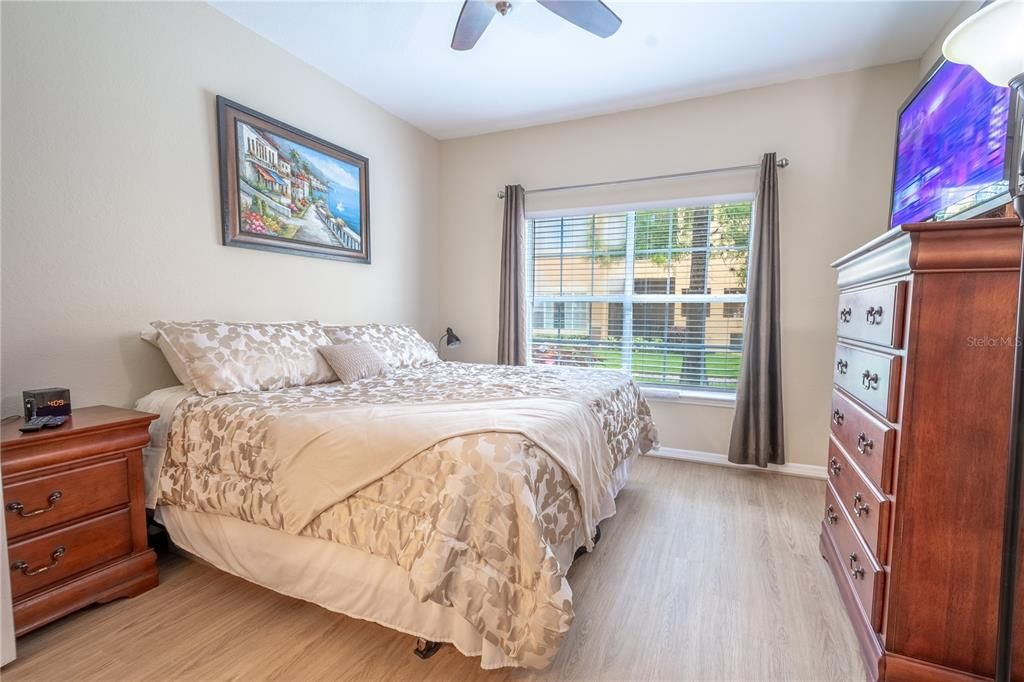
column 674, row 395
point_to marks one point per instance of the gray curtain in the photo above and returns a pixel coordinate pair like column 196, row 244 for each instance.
column 512, row 301
column 757, row 430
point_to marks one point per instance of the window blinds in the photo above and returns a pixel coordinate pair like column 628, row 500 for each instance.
column 658, row 293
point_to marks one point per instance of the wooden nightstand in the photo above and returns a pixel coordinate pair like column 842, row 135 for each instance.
column 75, row 511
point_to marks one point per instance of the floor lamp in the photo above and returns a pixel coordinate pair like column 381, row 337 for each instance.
column 992, row 41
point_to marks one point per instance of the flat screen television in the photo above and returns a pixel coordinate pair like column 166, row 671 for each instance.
column 951, row 147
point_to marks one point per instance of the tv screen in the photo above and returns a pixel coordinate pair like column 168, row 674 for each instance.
column 950, row 147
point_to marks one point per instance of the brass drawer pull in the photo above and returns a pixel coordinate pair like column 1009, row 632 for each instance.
column 869, row 380
column 54, row 558
column 838, row 417
column 842, row 366
column 835, row 466
column 19, row 509
column 873, row 315
column 831, row 515
column 860, row 508
column 856, row 571
column 845, row 315
column 864, row 444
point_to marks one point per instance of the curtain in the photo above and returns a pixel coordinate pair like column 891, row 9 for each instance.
column 512, row 301
column 757, row 430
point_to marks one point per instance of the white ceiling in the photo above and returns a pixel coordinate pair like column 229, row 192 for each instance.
column 532, row 67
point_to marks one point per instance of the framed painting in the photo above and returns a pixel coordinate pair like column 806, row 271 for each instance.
column 285, row 190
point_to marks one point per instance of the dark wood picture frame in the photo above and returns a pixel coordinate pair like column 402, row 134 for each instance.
column 255, row 187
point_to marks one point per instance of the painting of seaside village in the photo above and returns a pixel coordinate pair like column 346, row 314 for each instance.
column 289, row 191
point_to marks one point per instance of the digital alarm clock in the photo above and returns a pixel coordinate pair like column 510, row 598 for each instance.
column 46, row 402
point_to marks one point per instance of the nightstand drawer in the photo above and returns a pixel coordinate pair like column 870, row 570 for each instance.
column 53, row 499
column 55, row 556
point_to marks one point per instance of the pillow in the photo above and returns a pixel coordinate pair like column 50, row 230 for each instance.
column 173, row 359
column 398, row 345
column 354, row 361
column 228, row 357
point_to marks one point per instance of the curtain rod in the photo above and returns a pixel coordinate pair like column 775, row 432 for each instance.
column 781, row 163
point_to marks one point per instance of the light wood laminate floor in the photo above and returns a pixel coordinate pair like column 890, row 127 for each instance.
column 706, row 573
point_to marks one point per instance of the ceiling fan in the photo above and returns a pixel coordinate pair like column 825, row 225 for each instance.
column 590, row 15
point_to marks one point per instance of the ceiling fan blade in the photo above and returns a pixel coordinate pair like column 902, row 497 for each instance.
column 590, row 15
column 473, row 19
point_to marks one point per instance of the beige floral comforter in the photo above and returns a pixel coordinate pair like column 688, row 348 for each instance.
column 484, row 523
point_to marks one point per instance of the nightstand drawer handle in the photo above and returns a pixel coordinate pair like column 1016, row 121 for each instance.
column 19, row 509
column 54, row 558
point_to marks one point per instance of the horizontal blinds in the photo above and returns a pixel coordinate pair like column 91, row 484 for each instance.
column 659, row 293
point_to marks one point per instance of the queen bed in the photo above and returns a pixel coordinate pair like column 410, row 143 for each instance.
column 445, row 500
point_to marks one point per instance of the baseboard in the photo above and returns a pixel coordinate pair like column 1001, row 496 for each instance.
column 802, row 470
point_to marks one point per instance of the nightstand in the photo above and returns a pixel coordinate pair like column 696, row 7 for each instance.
column 75, row 511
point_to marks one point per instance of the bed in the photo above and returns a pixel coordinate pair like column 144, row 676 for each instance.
column 464, row 536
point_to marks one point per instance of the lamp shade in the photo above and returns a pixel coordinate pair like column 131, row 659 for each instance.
column 450, row 338
column 992, row 41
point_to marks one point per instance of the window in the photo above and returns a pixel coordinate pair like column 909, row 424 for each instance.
column 734, row 310
column 659, row 293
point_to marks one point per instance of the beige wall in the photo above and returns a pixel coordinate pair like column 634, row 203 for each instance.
column 837, row 131
column 111, row 205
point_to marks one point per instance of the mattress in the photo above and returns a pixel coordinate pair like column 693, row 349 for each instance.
column 483, row 523
column 334, row 576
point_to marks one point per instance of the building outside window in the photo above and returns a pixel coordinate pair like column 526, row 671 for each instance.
column 657, row 292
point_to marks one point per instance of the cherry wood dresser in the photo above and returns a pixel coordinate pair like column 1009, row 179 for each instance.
column 914, row 511
column 75, row 512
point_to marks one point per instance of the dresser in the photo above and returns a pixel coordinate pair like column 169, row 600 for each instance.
column 74, row 508
column 919, row 428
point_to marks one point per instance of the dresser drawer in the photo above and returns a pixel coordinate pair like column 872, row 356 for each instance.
column 865, row 575
column 873, row 315
column 872, row 378
column 60, row 554
column 50, row 500
column 867, row 508
column 868, row 440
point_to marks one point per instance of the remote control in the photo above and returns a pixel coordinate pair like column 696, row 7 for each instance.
column 37, row 423
column 54, row 421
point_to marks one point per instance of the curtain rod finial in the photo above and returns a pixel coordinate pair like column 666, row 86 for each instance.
column 501, row 194
column 783, row 162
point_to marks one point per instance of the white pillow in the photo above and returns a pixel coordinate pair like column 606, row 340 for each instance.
column 229, row 357
column 173, row 359
column 399, row 344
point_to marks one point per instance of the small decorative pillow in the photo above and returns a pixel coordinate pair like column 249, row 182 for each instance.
column 398, row 345
column 228, row 357
column 354, row 361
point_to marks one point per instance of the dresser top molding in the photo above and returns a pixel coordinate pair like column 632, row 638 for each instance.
column 988, row 244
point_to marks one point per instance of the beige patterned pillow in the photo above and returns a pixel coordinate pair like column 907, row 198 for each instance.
column 355, row 361
column 398, row 344
column 229, row 357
